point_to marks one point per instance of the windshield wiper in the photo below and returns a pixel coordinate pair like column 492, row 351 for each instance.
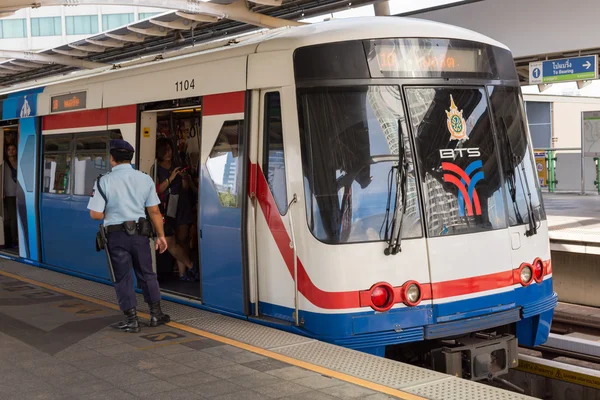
column 394, row 240
column 512, row 183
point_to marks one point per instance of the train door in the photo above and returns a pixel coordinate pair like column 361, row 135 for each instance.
column 223, row 175
column 275, row 288
column 170, row 139
column 27, row 198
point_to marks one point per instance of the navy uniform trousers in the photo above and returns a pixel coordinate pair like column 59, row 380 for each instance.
column 127, row 251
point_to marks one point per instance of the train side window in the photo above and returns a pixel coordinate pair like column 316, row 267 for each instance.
column 273, row 155
column 222, row 164
column 57, row 164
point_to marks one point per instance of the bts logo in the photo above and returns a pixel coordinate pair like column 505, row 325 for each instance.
column 465, row 180
column 472, row 152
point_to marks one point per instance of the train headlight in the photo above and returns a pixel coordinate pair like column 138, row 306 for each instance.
column 412, row 293
column 526, row 275
column 538, row 270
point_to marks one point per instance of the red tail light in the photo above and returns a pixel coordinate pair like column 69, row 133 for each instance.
column 380, row 297
column 538, row 270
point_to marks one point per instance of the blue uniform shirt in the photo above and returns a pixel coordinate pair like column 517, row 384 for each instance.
column 128, row 192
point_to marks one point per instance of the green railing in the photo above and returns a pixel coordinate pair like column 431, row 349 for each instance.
column 550, row 159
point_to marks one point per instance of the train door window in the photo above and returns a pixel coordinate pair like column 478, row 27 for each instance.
column 91, row 158
column 223, row 165
column 57, row 164
column 274, row 159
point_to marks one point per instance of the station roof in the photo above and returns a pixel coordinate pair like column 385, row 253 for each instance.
column 162, row 33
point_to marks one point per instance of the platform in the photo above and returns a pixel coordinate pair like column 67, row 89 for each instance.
column 56, row 343
column 573, row 222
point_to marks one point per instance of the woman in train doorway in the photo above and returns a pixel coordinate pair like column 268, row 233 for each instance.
column 174, row 183
column 11, row 236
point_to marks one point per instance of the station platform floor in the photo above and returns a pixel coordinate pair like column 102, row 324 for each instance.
column 573, row 221
column 56, row 343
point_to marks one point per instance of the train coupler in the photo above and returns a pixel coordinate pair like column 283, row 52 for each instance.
column 477, row 357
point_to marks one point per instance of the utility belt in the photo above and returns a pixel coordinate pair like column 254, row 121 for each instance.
column 142, row 227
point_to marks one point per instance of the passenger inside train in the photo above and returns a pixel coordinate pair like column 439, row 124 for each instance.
column 9, row 190
column 175, row 173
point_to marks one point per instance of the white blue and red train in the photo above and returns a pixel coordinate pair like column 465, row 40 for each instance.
column 367, row 182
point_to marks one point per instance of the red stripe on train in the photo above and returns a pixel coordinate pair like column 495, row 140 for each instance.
column 223, row 103
column 88, row 118
column 351, row 299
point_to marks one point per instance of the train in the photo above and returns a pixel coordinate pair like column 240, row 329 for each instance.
column 368, row 182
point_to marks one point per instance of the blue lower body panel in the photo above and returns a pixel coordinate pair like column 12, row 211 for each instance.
column 68, row 236
column 530, row 308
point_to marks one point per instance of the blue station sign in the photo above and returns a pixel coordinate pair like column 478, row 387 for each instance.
column 564, row 70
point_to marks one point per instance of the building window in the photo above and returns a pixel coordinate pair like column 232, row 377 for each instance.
column 47, row 26
column 82, row 25
column 222, row 164
column 13, row 28
column 539, row 118
column 113, row 21
column 274, row 160
column 148, row 15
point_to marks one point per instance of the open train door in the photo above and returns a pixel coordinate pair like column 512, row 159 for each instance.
column 222, row 198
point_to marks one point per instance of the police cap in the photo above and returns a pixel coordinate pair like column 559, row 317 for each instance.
column 121, row 145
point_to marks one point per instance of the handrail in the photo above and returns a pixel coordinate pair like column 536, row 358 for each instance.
column 293, row 246
column 558, row 149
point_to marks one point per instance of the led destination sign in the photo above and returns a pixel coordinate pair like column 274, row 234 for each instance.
column 411, row 58
column 67, row 102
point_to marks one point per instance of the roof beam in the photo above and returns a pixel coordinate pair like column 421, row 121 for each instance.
column 154, row 31
column 87, row 48
column 13, row 68
column 49, row 58
column 182, row 24
column 25, row 64
column 197, row 17
column 71, row 53
column 131, row 38
column 106, row 43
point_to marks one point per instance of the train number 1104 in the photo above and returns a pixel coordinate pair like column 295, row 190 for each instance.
column 182, row 86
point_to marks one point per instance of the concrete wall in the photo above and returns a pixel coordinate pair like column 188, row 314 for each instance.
column 528, row 27
column 575, row 278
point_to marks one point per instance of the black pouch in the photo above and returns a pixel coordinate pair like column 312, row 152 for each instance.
column 130, row 227
column 145, row 227
column 99, row 242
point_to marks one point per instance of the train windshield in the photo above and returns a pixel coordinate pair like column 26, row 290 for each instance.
column 457, row 153
column 522, row 187
column 350, row 148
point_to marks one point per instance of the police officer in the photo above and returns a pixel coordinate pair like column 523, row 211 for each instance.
column 128, row 193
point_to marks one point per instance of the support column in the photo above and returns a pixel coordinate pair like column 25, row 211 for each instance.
column 382, row 8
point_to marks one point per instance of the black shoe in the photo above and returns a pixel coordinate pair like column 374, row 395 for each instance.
column 131, row 323
column 157, row 317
